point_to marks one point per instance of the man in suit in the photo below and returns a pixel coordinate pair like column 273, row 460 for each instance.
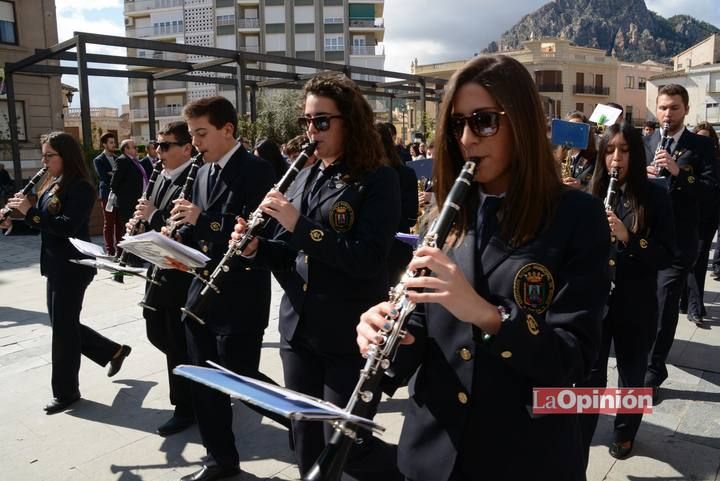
column 149, row 161
column 681, row 161
column 105, row 167
column 127, row 183
column 161, row 305
column 231, row 183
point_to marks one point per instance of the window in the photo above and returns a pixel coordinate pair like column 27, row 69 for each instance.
column 629, row 82
column 333, row 43
column 580, row 107
column 642, row 82
column 8, row 27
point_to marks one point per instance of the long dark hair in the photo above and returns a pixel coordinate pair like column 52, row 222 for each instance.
column 361, row 143
column 534, row 184
column 637, row 185
column 391, row 153
column 72, row 157
column 268, row 150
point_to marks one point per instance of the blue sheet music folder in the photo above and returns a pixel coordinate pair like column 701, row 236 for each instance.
column 274, row 398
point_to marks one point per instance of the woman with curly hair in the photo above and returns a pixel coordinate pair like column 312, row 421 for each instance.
column 329, row 252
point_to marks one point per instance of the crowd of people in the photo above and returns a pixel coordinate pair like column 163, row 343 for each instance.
column 537, row 279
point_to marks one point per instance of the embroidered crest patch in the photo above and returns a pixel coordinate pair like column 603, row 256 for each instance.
column 342, row 216
column 54, row 205
column 215, row 226
column 534, row 288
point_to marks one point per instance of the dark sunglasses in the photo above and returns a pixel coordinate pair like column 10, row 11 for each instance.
column 167, row 145
column 321, row 122
column 483, row 123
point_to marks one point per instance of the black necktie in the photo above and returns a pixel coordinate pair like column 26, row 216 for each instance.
column 213, row 177
column 319, row 181
column 164, row 186
column 668, row 146
column 489, row 220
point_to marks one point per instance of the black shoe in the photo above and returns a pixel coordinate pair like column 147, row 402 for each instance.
column 117, row 362
column 695, row 318
column 617, row 450
column 60, row 404
column 174, row 425
column 211, row 473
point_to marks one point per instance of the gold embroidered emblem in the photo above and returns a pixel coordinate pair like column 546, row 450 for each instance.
column 342, row 216
column 532, row 325
column 215, row 226
column 691, row 180
column 534, row 288
column 643, row 244
column 317, row 235
column 53, row 205
column 36, row 219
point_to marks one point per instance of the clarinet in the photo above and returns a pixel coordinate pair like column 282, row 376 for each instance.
column 5, row 211
column 185, row 193
column 256, row 221
column 122, row 261
column 662, row 145
column 329, row 466
column 610, row 203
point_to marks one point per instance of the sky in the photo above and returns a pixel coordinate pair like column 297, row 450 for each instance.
column 429, row 30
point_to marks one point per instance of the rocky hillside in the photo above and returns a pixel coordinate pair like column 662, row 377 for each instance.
column 625, row 26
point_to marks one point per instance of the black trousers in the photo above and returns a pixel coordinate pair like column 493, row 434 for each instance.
column 70, row 339
column 696, row 277
column 165, row 331
column 332, row 377
column 213, row 411
column 631, row 334
column 671, row 282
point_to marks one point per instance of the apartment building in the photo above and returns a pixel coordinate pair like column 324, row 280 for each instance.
column 341, row 31
column 570, row 77
column 26, row 25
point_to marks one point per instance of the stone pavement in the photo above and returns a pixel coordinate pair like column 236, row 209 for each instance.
column 109, row 435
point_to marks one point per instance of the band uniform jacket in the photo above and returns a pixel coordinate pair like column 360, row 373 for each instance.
column 693, row 153
column 477, row 394
column 174, row 284
column 582, row 170
column 104, row 170
column 244, row 301
column 635, row 294
column 59, row 216
column 127, row 184
column 333, row 266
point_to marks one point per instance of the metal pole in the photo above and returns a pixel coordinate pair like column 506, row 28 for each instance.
column 422, row 108
column 253, row 103
column 242, row 85
column 12, row 123
column 151, row 107
column 84, row 92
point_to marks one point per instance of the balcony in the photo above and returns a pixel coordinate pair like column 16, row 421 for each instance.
column 590, row 90
column 364, row 23
column 156, row 55
column 156, row 31
column 248, row 23
column 550, row 87
column 138, row 114
column 139, row 86
column 143, row 5
column 95, row 113
column 367, row 50
column 250, row 48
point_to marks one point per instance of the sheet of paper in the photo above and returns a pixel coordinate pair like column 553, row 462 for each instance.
column 156, row 248
column 89, row 249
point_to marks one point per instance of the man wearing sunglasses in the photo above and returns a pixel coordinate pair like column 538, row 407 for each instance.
column 231, row 183
column 161, row 310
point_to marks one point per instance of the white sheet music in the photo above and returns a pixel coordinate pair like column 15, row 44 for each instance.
column 89, row 249
column 157, row 248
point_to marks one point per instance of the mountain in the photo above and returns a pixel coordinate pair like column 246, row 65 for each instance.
column 626, row 26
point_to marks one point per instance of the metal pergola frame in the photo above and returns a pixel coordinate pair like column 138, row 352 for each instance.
column 231, row 64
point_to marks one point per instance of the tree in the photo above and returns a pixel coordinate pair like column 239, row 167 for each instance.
column 278, row 111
